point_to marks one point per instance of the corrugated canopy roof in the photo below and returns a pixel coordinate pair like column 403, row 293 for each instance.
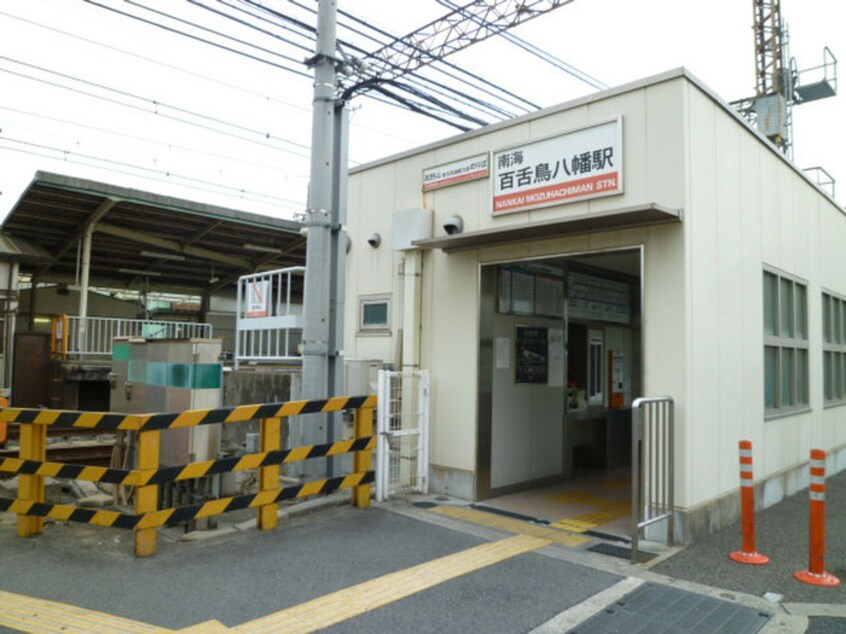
column 178, row 245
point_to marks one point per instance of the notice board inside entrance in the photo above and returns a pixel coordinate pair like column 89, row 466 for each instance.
column 531, row 355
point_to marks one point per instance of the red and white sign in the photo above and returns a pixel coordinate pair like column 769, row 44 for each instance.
column 257, row 298
column 468, row 169
column 583, row 164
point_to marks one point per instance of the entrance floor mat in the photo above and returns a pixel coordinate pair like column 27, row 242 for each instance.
column 511, row 525
column 624, row 552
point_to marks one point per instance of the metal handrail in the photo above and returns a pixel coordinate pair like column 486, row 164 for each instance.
column 93, row 336
column 653, row 466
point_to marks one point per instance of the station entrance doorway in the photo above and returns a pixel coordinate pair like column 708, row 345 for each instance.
column 560, row 365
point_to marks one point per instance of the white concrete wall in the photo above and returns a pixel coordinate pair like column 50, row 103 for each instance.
column 747, row 209
column 654, row 172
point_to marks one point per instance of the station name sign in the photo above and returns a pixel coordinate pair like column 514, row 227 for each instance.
column 468, row 169
column 587, row 163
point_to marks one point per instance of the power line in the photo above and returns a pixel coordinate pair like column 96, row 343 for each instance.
column 200, row 39
column 67, row 157
column 182, row 70
column 536, row 51
column 431, row 84
column 156, row 104
column 167, row 144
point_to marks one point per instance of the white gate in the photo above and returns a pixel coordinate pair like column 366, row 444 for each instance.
column 402, row 425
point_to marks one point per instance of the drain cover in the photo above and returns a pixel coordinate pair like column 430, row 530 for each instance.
column 658, row 608
column 624, row 552
column 425, row 505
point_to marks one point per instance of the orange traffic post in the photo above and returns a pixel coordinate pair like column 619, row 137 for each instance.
column 31, row 487
column 362, row 460
column 147, row 497
column 749, row 554
column 271, row 440
column 816, row 574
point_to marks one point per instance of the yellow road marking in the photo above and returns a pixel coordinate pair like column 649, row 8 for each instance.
column 573, row 525
column 345, row 604
column 510, row 525
column 38, row 616
column 579, row 497
column 208, row 627
column 588, row 521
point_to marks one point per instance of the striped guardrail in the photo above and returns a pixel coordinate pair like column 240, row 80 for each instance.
column 108, row 421
column 165, row 517
column 137, row 477
column 32, row 467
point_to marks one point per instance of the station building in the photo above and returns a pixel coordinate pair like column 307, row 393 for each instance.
column 641, row 241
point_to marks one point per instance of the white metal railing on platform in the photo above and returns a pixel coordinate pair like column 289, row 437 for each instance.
column 268, row 322
column 93, row 336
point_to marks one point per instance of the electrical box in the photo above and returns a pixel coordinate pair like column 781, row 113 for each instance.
column 171, row 375
column 409, row 225
column 361, row 376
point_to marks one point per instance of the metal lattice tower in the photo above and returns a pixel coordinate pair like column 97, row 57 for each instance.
column 769, row 50
column 779, row 85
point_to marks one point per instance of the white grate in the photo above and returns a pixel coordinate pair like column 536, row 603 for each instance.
column 402, row 455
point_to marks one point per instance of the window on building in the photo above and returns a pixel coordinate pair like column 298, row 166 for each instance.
column 785, row 343
column 375, row 314
column 834, row 348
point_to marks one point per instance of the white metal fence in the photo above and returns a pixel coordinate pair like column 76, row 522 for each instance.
column 93, row 336
column 268, row 322
column 653, row 466
column 402, row 424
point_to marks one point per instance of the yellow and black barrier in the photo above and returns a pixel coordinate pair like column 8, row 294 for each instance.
column 32, row 467
column 137, row 477
column 166, row 517
column 108, row 421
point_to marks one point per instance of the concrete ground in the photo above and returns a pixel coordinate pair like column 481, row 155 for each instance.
column 405, row 566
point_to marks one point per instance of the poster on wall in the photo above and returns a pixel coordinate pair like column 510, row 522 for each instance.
column 583, row 164
column 531, row 357
column 502, row 353
column 556, row 357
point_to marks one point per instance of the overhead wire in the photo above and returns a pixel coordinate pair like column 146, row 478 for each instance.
column 106, row 164
column 499, row 90
column 156, row 104
column 538, row 52
column 149, row 140
column 431, row 84
column 179, row 69
column 199, row 39
column 177, row 31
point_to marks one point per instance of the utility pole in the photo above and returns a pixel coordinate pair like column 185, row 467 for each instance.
column 319, row 351
column 323, row 302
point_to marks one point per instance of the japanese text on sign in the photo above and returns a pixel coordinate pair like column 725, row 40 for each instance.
column 582, row 164
column 453, row 173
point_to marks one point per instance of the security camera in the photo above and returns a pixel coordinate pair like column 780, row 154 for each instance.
column 453, row 225
column 374, row 240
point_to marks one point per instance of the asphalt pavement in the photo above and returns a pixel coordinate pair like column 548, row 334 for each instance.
column 237, row 576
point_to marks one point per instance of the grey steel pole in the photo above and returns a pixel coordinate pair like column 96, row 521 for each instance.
column 318, row 278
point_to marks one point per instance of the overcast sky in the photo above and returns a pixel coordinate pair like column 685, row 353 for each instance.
column 92, row 93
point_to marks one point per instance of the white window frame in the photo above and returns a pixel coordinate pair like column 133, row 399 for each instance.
column 834, row 347
column 374, row 329
column 785, row 342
